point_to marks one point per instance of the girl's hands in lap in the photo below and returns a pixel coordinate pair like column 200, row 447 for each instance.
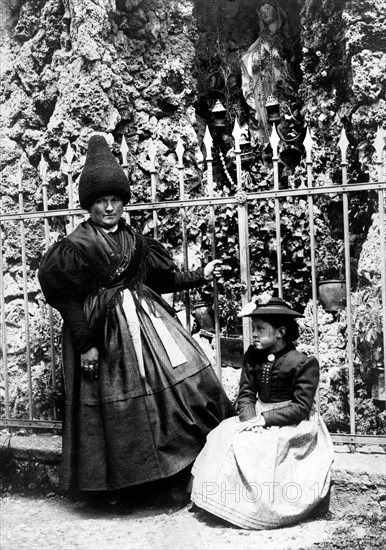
column 254, row 424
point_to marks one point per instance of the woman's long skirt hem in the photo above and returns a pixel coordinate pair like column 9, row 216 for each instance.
column 115, row 445
column 170, row 473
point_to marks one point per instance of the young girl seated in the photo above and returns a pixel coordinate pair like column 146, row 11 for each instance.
column 270, row 465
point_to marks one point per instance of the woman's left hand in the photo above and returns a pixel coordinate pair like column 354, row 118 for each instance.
column 213, row 269
column 89, row 363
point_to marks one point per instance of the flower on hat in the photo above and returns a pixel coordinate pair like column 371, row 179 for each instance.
column 256, row 301
column 264, row 298
column 247, row 309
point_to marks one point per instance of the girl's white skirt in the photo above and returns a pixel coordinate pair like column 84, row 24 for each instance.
column 267, row 480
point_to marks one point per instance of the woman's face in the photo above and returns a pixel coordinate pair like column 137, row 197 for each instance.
column 106, row 211
column 268, row 13
column 265, row 336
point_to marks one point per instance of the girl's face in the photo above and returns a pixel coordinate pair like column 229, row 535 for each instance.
column 106, row 211
column 267, row 337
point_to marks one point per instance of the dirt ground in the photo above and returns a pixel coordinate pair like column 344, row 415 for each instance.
column 55, row 522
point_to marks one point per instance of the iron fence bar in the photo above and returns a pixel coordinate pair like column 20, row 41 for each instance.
column 343, row 144
column 308, row 144
column 205, row 201
column 25, row 295
column 4, row 329
column 27, row 423
column 274, row 141
column 345, row 189
column 68, row 169
column 208, row 142
column 305, row 191
column 153, row 178
column 382, row 235
column 359, row 439
column 125, row 165
column 242, row 215
column 380, row 151
column 180, row 167
column 50, row 311
column 57, row 425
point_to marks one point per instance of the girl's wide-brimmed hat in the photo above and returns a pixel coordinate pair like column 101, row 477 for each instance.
column 258, row 307
column 101, row 174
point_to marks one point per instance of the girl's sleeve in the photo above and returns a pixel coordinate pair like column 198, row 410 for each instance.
column 162, row 274
column 305, row 384
column 65, row 280
column 246, row 399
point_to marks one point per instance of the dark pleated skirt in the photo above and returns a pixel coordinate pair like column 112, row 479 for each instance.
column 126, row 429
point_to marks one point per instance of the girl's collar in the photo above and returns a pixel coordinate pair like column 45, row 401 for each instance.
column 273, row 356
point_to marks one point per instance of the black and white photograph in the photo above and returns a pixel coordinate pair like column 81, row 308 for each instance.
column 192, row 274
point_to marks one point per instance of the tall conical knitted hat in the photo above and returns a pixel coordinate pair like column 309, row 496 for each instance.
column 101, row 174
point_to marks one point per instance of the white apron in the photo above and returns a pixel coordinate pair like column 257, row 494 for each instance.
column 267, row 480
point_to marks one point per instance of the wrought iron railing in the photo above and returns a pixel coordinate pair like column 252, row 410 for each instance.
column 242, row 198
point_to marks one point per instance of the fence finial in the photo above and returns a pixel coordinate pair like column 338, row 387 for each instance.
column 308, row 143
column 69, row 154
column 343, row 143
column 67, row 164
column 180, row 150
column 379, row 143
column 43, row 165
column 19, row 176
column 152, row 151
column 274, row 141
column 236, row 135
column 208, row 142
column 200, row 159
column 124, row 150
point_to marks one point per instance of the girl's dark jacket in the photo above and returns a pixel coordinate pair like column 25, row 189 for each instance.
column 291, row 376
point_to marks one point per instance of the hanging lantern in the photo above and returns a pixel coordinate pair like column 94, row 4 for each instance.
column 273, row 109
column 219, row 112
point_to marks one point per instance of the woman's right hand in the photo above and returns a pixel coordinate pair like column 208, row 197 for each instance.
column 89, row 363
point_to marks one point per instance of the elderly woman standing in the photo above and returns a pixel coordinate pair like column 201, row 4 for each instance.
column 140, row 395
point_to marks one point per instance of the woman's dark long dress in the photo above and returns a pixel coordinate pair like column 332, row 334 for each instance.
column 157, row 397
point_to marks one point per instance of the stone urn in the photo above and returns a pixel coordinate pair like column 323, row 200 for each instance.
column 204, row 316
column 378, row 386
column 332, row 294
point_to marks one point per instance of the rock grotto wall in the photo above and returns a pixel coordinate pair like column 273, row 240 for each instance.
column 135, row 68
column 344, row 56
column 79, row 66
